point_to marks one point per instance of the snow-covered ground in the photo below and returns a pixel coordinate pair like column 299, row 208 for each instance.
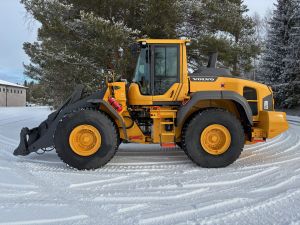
column 147, row 184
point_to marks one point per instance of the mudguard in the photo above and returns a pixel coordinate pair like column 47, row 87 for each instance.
column 31, row 140
column 209, row 95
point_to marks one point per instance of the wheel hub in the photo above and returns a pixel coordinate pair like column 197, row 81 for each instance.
column 215, row 139
column 85, row 140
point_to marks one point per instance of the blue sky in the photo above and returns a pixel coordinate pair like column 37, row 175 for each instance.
column 259, row 6
column 15, row 30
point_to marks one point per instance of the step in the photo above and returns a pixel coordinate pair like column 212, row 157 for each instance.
column 168, row 134
column 171, row 123
column 168, row 145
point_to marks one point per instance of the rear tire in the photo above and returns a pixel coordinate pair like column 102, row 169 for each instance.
column 194, row 145
column 108, row 135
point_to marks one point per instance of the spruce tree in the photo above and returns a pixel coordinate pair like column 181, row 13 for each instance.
column 223, row 26
column 73, row 47
column 289, row 90
column 276, row 63
column 153, row 18
column 161, row 19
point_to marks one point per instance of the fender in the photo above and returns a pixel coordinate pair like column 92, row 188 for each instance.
column 112, row 111
column 211, row 95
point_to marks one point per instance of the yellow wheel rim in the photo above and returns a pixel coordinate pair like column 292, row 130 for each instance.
column 85, row 140
column 215, row 139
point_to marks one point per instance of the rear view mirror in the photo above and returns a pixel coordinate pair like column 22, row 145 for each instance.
column 135, row 49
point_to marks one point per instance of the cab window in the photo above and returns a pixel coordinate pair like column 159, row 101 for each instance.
column 142, row 72
column 166, row 70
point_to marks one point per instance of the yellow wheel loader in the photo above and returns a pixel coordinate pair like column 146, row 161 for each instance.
column 209, row 114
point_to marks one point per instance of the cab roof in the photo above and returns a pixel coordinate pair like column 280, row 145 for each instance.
column 164, row 41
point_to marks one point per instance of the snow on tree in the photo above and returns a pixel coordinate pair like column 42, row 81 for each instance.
column 222, row 26
column 73, row 47
column 279, row 64
column 290, row 91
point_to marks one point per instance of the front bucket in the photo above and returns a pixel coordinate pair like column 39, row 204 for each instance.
column 31, row 140
column 26, row 136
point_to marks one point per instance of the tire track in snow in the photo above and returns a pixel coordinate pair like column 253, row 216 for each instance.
column 15, row 121
column 139, row 199
column 284, row 183
column 154, row 186
column 259, row 206
column 132, row 208
column 46, row 221
column 40, row 186
column 91, row 183
column 184, row 215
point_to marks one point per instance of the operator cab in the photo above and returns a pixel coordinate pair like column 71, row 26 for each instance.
column 158, row 72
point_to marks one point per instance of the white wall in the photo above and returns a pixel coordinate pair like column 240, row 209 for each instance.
column 16, row 96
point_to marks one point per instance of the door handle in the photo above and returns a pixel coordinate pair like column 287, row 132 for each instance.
column 172, row 93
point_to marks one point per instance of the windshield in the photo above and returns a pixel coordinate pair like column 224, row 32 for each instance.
column 142, row 71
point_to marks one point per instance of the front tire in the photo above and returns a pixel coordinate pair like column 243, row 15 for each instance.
column 86, row 139
column 214, row 138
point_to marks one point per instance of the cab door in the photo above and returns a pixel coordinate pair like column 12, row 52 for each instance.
column 165, row 74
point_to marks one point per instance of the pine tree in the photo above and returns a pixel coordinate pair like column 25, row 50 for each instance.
column 161, row 18
column 74, row 47
column 153, row 18
column 276, row 58
column 223, row 26
column 289, row 92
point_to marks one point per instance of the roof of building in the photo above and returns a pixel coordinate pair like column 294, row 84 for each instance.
column 6, row 83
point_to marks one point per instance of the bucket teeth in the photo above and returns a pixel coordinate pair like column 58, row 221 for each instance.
column 22, row 149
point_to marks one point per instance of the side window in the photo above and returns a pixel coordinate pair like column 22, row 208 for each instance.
column 251, row 95
column 142, row 72
column 166, row 71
